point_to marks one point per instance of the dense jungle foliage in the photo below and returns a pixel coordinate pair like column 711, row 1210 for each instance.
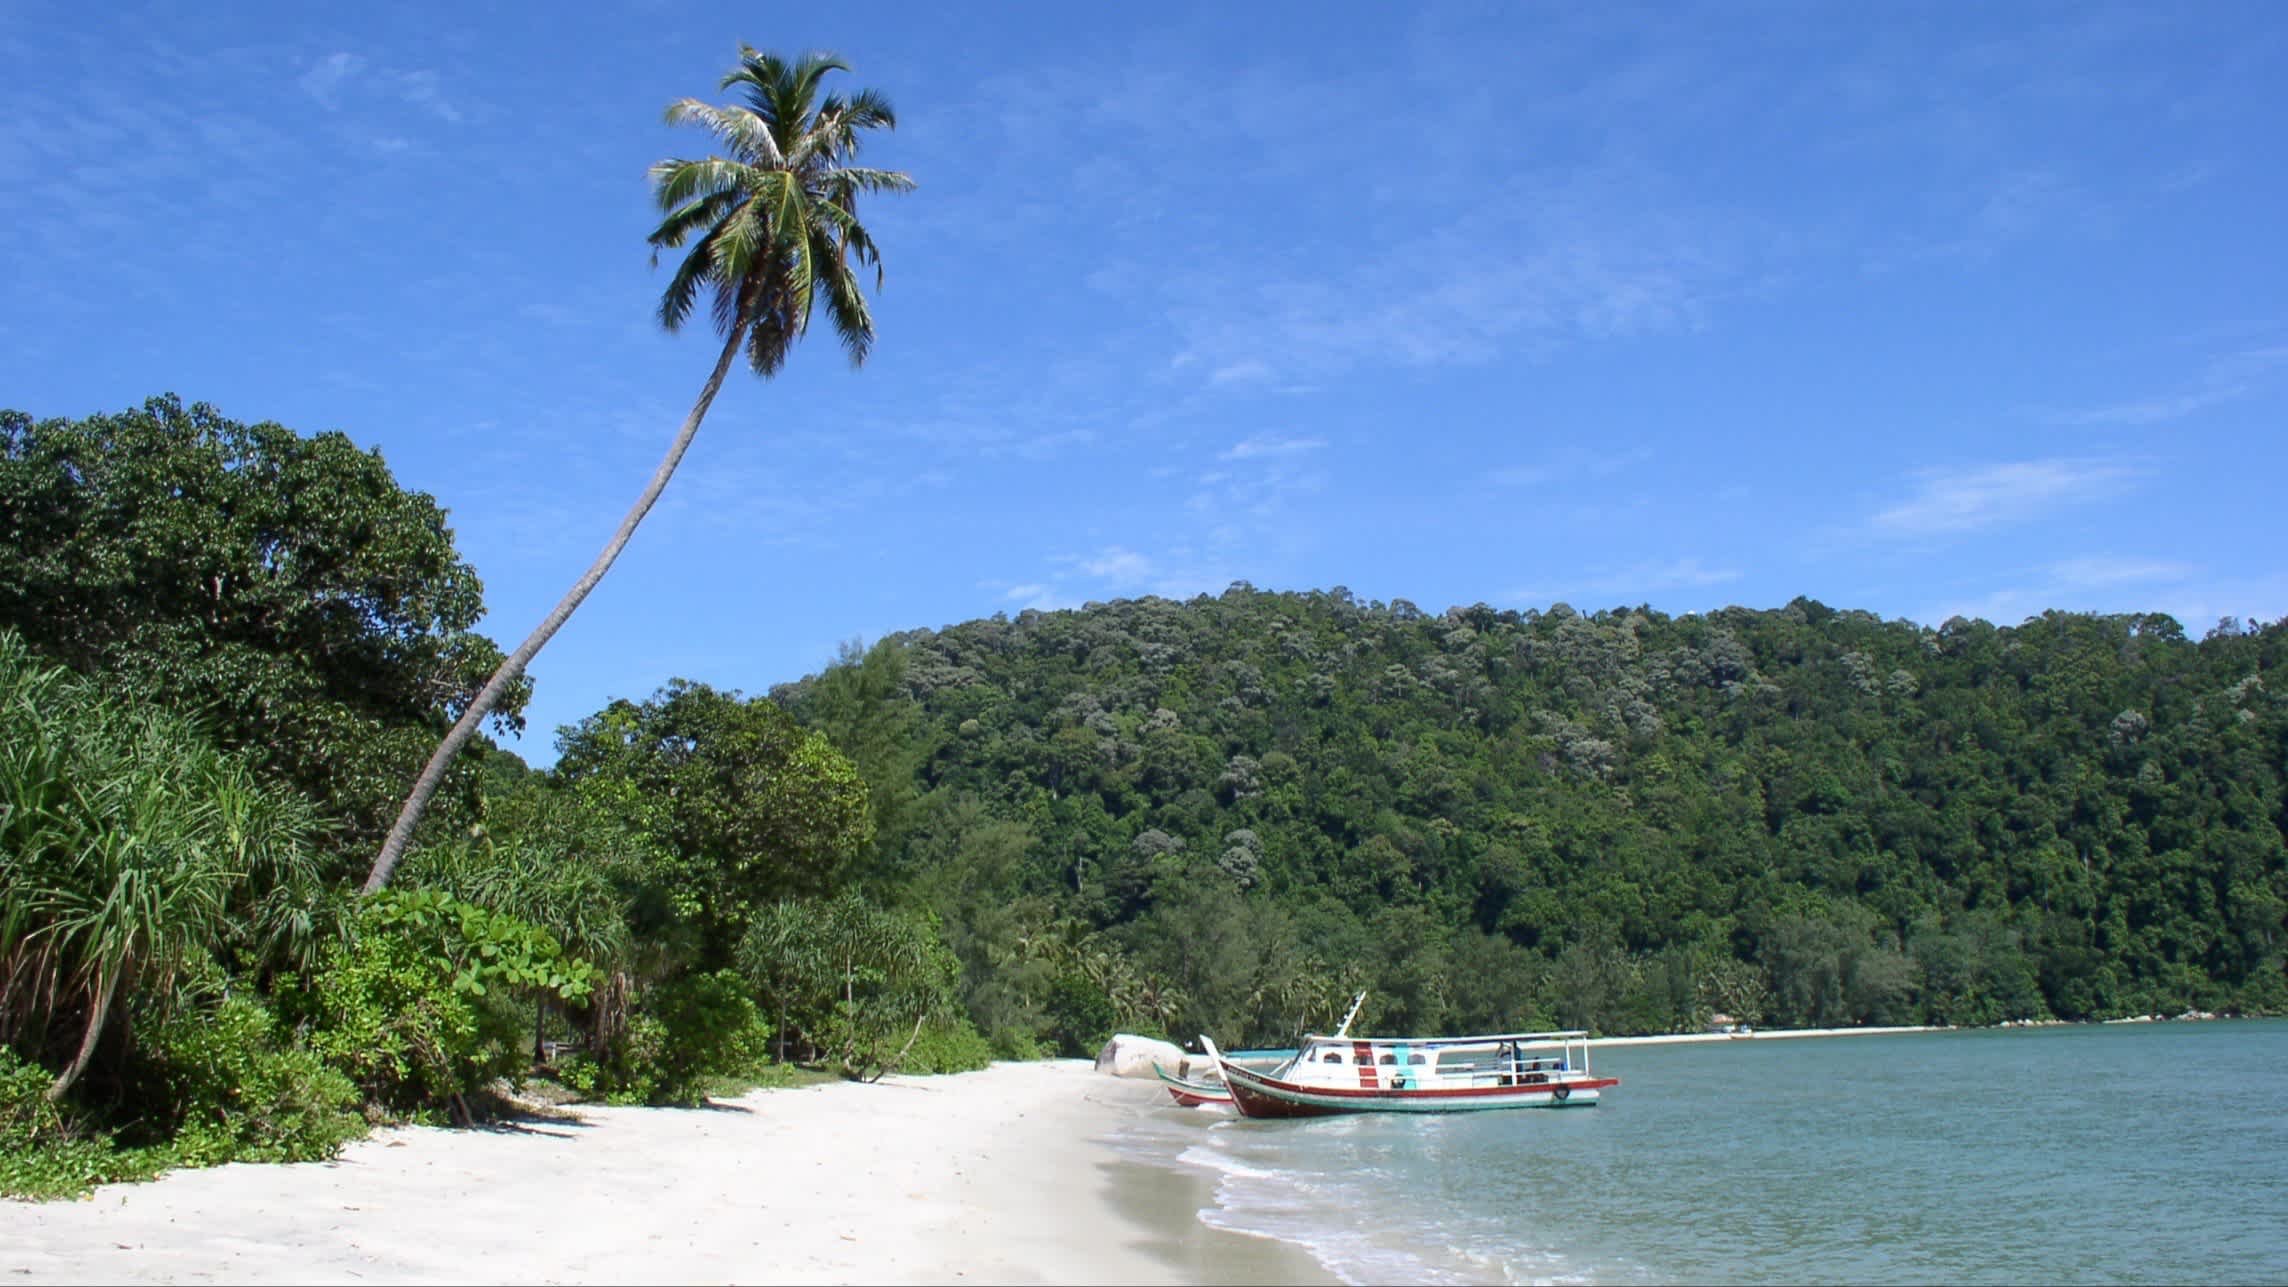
column 224, row 651
column 1243, row 807
column 225, row 648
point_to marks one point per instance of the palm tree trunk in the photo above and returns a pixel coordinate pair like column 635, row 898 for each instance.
column 513, row 665
column 904, row 1050
column 95, row 1017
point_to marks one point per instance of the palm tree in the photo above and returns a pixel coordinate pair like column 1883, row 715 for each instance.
column 774, row 232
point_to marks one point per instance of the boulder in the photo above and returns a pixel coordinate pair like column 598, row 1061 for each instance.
column 1128, row 1055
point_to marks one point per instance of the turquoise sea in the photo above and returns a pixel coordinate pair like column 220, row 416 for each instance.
column 2147, row 1153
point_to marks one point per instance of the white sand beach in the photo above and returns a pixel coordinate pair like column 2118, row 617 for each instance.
column 998, row 1176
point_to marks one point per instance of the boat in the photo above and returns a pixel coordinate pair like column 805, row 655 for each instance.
column 1340, row 1073
column 1194, row 1092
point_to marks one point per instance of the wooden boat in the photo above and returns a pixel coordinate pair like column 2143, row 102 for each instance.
column 1192, row 1092
column 1345, row 1074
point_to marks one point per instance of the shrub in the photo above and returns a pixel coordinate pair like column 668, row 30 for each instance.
column 686, row 1034
column 44, row 1153
column 1081, row 1017
column 1015, row 1043
column 235, row 1093
column 384, row 1010
column 417, row 1006
column 948, row 1048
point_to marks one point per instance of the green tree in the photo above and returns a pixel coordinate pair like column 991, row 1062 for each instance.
column 774, row 232
column 860, row 704
column 281, row 588
column 745, row 806
column 859, row 980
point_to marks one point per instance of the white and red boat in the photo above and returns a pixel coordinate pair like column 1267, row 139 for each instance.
column 1346, row 1074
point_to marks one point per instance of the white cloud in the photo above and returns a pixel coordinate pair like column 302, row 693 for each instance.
column 1247, row 372
column 1457, row 267
column 1985, row 219
column 2226, row 378
column 1118, row 565
column 1672, row 575
column 2111, row 570
column 2149, row 411
column 341, row 77
column 1261, row 445
column 1639, row 581
column 1961, row 500
column 1573, row 462
column 326, row 78
column 2196, row 596
column 420, row 89
column 1178, row 572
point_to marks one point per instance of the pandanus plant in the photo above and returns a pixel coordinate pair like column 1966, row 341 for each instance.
column 131, row 853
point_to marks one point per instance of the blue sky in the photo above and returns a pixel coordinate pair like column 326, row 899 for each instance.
column 1922, row 309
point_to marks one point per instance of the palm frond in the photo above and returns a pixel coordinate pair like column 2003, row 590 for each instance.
column 863, row 179
column 678, row 183
column 682, row 223
column 747, row 135
column 869, row 110
column 799, row 90
column 845, row 300
column 790, row 240
column 675, row 303
column 741, row 240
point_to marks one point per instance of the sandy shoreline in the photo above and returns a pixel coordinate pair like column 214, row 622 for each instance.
column 999, row 1176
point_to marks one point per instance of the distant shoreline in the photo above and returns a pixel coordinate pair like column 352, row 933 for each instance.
column 1759, row 1034
column 1777, row 1034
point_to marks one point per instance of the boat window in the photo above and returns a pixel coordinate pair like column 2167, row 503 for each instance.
column 1416, row 1059
column 1388, row 1059
column 1331, row 1057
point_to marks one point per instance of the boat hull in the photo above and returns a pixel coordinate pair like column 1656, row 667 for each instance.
column 1191, row 1094
column 1255, row 1095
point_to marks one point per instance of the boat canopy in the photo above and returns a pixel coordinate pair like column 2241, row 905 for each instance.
column 1451, row 1043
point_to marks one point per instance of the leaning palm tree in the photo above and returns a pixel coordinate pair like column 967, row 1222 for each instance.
column 774, row 233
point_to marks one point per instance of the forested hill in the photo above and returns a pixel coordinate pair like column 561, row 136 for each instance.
column 1244, row 805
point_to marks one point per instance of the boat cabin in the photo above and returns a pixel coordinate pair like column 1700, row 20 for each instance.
column 1440, row 1063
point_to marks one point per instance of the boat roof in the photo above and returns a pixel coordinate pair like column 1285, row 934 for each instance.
column 1491, row 1039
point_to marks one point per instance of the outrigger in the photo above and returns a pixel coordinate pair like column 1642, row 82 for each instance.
column 1340, row 1073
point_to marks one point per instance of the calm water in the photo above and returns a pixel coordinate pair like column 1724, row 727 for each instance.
column 2150, row 1153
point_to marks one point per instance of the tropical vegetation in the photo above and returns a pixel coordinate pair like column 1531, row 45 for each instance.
column 1226, row 814
column 224, row 648
column 1010, row 837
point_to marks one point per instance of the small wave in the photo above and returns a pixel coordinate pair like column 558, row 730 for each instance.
column 1362, row 1200
column 1216, row 1159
